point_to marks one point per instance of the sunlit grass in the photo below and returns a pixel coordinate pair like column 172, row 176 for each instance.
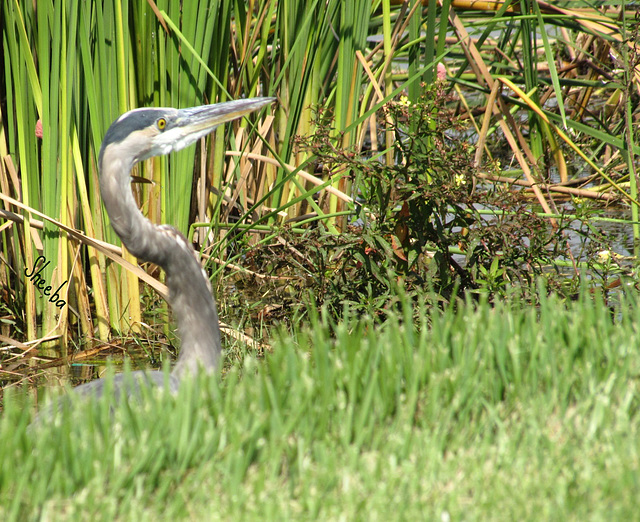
column 483, row 413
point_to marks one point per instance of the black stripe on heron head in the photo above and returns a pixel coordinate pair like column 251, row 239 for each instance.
column 129, row 122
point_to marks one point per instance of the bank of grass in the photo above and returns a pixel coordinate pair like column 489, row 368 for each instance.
column 483, row 413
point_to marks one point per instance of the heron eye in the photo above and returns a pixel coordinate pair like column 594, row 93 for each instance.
column 161, row 123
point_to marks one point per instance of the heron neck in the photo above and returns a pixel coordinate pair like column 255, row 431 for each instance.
column 190, row 294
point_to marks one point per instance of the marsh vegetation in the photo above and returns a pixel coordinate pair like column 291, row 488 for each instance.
column 424, row 254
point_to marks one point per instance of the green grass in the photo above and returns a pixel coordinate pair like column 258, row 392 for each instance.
column 484, row 413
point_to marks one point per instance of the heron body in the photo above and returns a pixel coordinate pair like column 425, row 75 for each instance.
column 135, row 136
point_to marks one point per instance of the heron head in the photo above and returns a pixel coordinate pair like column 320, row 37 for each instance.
column 142, row 133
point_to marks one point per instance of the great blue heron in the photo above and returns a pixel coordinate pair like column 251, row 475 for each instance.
column 135, row 136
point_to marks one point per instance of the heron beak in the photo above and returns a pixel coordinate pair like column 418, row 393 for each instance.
column 205, row 118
